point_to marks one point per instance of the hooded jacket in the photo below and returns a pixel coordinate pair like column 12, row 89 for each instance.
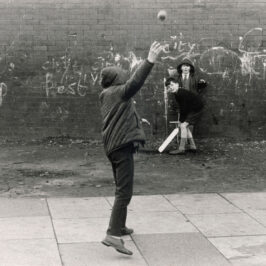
column 194, row 84
column 121, row 123
column 188, row 62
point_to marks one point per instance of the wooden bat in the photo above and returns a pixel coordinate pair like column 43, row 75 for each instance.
column 168, row 139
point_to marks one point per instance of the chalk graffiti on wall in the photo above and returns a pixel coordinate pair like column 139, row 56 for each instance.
column 217, row 58
column 72, row 76
column 79, row 77
column 68, row 76
column 253, row 61
column 65, row 76
column 111, row 58
column 3, row 92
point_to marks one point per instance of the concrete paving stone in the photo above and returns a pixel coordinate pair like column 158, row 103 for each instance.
column 96, row 254
column 255, row 200
column 81, row 230
column 159, row 222
column 41, row 252
column 26, row 228
column 259, row 215
column 233, row 224
column 23, row 207
column 79, row 207
column 201, row 203
column 186, row 249
column 148, row 203
column 242, row 251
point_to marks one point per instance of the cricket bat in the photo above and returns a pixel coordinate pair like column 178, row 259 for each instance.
column 168, row 140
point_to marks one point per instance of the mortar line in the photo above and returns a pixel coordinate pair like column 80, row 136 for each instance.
column 243, row 210
column 56, row 239
column 199, row 231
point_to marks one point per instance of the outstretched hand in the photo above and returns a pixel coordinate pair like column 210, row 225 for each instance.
column 154, row 52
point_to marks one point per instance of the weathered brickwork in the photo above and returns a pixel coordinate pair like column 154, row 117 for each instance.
column 52, row 52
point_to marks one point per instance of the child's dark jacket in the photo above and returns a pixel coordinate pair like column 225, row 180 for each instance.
column 188, row 102
column 121, row 123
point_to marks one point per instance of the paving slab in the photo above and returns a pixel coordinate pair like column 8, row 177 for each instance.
column 255, row 200
column 201, row 203
column 169, row 230
column 79, row 207
column 23, row 207
column 148, row 203
column 159, row 222
column 259, row 215
column 96, row 254
column 41, row 252
column 26, row 228
column 81, row 230
column 186, row 249
column 242, row 251
column 233, row 224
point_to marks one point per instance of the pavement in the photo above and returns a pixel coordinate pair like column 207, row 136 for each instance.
column 170, row 230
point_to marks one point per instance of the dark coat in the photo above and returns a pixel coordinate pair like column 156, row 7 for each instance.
column 188, row 102
column 121, row 123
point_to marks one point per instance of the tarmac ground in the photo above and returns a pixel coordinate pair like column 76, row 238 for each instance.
column 65, row 167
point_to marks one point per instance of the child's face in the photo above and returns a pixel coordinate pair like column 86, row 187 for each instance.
column 185, row 68
column 173, row 87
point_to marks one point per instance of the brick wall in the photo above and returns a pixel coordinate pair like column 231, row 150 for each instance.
column 51, row 53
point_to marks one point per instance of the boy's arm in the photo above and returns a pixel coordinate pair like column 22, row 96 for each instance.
column 134, row 84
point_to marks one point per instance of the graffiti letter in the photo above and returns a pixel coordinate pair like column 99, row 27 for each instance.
column 82, row 90
column 94, row 78
column 48, row 83
column 3, row 91
column 70, row 88
column 61, row 89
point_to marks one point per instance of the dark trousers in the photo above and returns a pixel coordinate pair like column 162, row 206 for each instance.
column 123, row 169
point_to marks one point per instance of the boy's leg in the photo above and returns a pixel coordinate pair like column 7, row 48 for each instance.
column 184, row 136
column 191, row 142
column 183, row 140
column 123, row 167
column 191, row 128
column 192, row 119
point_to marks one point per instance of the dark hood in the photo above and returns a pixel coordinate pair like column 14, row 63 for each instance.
column 185, row 61
column 112, row 76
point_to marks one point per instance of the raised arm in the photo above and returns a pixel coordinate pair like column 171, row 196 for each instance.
column 134, row 84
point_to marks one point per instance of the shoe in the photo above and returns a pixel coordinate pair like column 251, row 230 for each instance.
column 177, row 152
column 126, row 231
column 117, row 244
